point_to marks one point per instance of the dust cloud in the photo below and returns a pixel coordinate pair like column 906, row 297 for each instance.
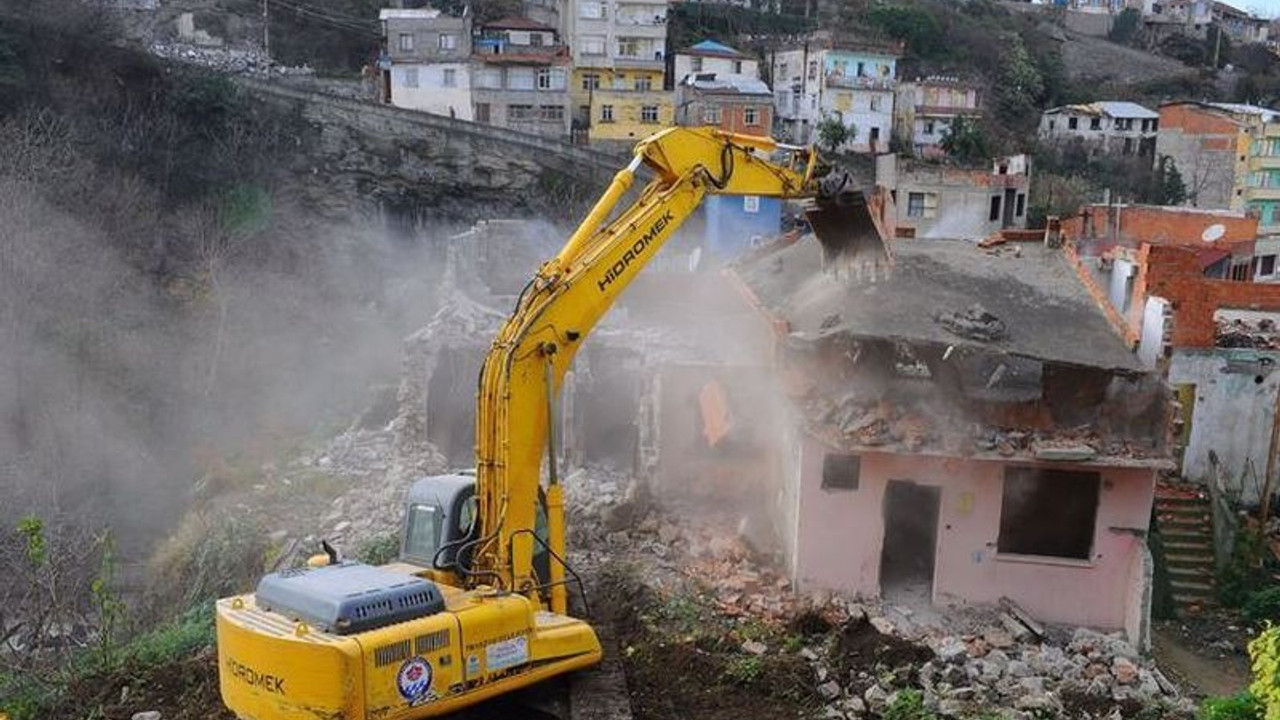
column 128, row 396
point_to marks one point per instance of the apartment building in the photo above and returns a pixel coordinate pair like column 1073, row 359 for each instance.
column 427, row 62
column 618, row 49
column 852, row 83
column 521, row 77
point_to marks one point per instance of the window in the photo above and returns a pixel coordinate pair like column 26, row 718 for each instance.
column 711, row 115
column 644, row 83
column 1240, row 272
column 482, row 113
column 535, row 39
column 995, row 208
column 1095, row 123
column 411, row 77
column 751, row 203
column 449, row 77
column 406, row 42
column 737, row 66
column 423, row 536
column 584, row 113
column 915, row 204
column 606, row 113
column 544, row 79
column 592, row 45
column 695, row 64
column 448, row 41
column 590, row 81
column 840, row 472
column 875, row 102
column 1073, row 123
column 928, row 127
column 875, row 135
column 751, row 115
column 591, row 10
column 813, row 69
column 489, row 78
column 628, row 47
column 1267, row 265
column 1022, row 204
column 1053, row 125
column 862, row 69
column 520, row 112
column 551, row 113
column 649, row 113
column 520, row 78
column 1048, row 512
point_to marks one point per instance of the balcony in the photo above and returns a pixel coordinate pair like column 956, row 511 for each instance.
column 1262, row 193
column 860, row 83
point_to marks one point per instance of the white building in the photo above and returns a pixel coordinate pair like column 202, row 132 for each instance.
column 853, row 84
column 426, row 66
column 710, row 56
column 1107, row 127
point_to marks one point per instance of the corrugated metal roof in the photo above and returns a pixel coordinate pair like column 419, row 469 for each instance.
column 1110, row 108
column 408, row 14
column 1268, row 115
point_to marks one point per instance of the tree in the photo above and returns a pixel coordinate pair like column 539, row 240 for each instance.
column 966, row 140
column 1020, row 85
column 1170, row 188
column 1126, row 26
column 833, row 133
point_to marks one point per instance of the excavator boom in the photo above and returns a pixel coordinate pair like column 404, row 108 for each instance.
column 477, row 605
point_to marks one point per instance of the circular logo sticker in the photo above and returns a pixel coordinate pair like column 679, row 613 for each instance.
column 414, row 680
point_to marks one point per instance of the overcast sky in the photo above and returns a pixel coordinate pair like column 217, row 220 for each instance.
column 1265, row 8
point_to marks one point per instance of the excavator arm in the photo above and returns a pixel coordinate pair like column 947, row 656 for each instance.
column 561, row 305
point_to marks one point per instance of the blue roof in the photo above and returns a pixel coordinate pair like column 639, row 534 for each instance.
column 711, row 46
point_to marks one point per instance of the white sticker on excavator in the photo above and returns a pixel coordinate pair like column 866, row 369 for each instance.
column 506, row 654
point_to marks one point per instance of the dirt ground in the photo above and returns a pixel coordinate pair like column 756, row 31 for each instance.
column 1196, row 663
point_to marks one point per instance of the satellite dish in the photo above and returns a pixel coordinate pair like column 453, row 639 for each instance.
column 1213, row 232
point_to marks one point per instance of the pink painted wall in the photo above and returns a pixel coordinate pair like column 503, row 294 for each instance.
column 839, row 536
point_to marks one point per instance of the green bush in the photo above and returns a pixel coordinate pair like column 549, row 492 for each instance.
column 1244, row 573
column 1264, row 656
column 190, row 632
column 908, row 705
column 380, row 550
column 1263, row 605
column 1235, row 707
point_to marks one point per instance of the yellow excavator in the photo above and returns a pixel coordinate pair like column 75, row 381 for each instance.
column 477, row 604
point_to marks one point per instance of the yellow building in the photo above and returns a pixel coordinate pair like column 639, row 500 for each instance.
column 622, row 105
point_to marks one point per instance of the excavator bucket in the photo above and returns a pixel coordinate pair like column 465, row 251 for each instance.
column 854, row 227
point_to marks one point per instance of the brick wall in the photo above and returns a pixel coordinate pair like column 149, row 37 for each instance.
column 1174, row 274
column 1163, row 226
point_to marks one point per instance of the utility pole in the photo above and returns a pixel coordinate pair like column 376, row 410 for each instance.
column 266, row 30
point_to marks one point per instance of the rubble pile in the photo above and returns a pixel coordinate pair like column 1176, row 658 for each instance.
column 854, row 420
column 1261, row 334
column 966, row 660
column 227, row 60
column 356, row 486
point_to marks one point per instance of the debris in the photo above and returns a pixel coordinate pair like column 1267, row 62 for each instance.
column 754, row 647
column 829, row 690
column 1125, row 672
column 1022, row 616
column 975, row 323
column 148, row 715
column 1067, row 452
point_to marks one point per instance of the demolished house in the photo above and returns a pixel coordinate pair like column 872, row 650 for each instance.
column 971, row 429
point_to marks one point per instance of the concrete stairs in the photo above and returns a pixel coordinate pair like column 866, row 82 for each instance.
column 1184, row 518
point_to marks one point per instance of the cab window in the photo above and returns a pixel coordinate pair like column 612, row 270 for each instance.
column 423, row 536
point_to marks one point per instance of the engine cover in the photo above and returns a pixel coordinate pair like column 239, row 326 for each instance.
column 349, row 597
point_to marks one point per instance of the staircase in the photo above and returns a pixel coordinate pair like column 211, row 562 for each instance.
column 1184, row 518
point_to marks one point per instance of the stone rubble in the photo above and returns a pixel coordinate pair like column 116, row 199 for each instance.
column 227, row 60
column 984, row 659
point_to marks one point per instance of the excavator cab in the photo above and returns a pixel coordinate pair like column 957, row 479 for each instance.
column 440, row 529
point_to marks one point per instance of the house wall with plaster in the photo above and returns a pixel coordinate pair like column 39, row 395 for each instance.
column 1235, row 395
column 840, row 535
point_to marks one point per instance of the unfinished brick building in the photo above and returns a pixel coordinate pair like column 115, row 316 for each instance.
column 973, row 428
